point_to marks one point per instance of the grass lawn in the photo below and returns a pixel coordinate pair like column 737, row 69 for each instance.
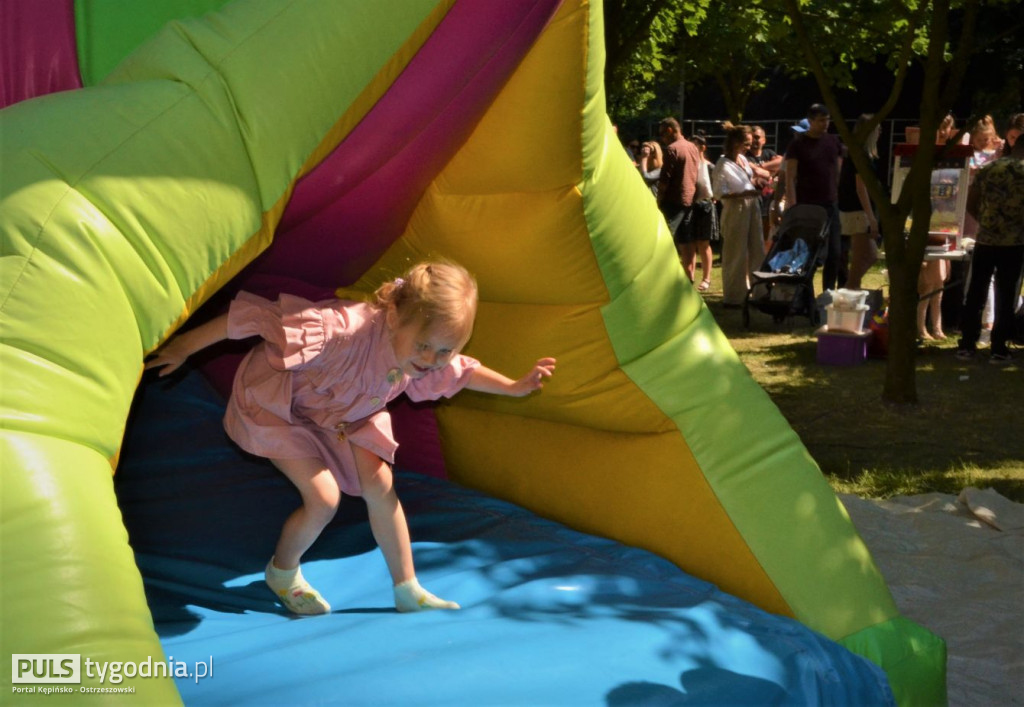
column 966, row 430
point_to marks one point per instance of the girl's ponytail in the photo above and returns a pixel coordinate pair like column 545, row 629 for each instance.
column 440, row 294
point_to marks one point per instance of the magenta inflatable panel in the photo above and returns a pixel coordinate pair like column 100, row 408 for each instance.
column 38, row 49
column 357, row 202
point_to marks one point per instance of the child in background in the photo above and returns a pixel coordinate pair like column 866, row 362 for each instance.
column 311, row 398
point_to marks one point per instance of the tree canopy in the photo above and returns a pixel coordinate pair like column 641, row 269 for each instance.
column 656, row 46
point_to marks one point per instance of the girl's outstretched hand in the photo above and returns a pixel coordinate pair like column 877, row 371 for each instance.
column 172, row 354
column 169, row 357
column 485, row 380
column 534, row 380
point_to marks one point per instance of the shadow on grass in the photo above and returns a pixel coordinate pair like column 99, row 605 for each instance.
column 965, row 429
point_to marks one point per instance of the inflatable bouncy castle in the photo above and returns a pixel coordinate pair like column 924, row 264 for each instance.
column 646, row 528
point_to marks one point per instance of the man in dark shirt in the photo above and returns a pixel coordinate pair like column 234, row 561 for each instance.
column 813, row 161
column 677, row 184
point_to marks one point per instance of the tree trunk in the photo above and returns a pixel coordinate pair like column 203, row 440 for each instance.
column 904, row 255
column 735, row 92
column 900, row 385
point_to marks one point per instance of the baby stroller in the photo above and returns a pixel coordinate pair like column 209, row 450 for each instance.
column 784, row 284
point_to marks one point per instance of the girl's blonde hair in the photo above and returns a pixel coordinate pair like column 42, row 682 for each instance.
column 984, row 126
column 441, row 295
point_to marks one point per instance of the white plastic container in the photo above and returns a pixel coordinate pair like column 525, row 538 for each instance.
column 851, row 320
column 848, row 299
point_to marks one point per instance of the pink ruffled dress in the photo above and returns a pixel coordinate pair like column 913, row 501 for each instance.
column 320, row 380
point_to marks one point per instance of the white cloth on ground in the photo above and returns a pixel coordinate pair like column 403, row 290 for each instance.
column 952, row 571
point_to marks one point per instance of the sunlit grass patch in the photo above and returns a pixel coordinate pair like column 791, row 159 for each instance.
column 965, row 430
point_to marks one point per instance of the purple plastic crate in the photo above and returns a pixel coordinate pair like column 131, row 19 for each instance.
column 842, row 348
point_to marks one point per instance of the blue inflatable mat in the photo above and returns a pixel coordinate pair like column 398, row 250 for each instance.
column 550, row 616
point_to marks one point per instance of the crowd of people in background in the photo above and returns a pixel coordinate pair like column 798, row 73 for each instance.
column 737, row 203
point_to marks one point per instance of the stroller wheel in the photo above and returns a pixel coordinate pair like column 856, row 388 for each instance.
column 746, row 315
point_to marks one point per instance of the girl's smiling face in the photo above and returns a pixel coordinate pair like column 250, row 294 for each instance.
column 421, row 349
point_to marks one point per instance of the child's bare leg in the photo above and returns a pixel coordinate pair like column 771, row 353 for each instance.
column 688, row 258
column 387, row 519
column 924, row 287
column 941, row 273
column 935, row 312
column 391, row 531
column 320, row 499
column 705, row 259
column 922, row 320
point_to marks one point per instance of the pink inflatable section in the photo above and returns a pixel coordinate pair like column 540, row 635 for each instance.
column 38, row 49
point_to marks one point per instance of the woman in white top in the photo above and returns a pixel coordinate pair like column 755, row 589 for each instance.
column 742, row 244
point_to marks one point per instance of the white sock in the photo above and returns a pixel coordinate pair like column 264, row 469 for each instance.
column 410, row 596
column 294, row 591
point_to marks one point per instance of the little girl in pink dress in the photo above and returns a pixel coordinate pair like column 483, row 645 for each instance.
column 311, row 398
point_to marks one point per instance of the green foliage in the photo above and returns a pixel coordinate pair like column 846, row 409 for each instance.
column 655, row 45
column 641, row 43
column 735, row 49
